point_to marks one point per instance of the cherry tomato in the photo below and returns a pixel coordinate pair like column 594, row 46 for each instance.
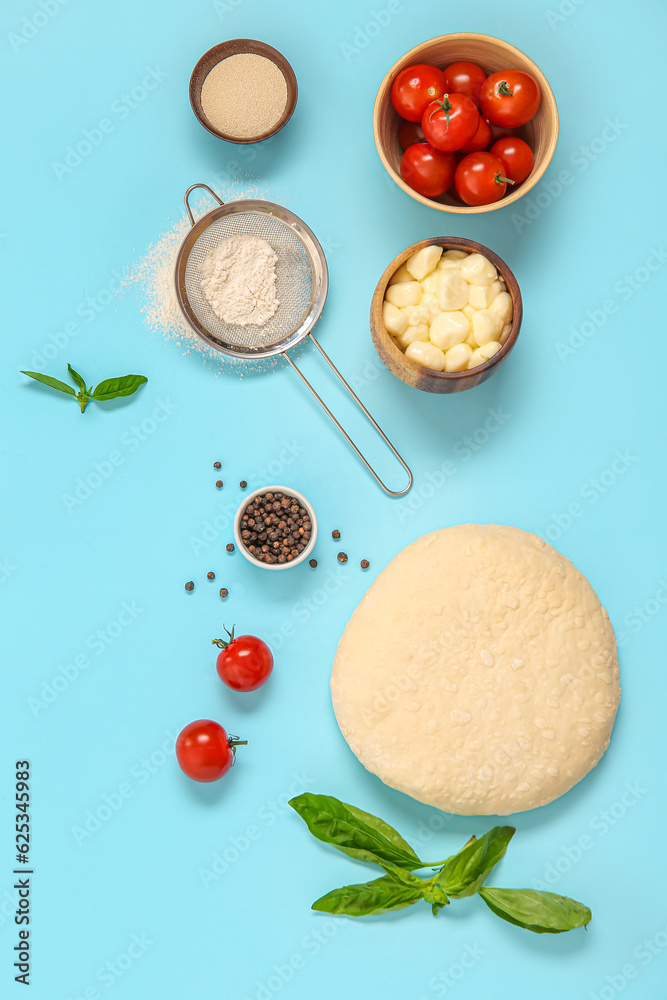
column 450, row 123
column 414, row 88
column 516, row 156
column 410, row 133
column 500, row 132
column 427, row 170
column 481, row 138
column 204, row 750
column 464, row 78
column 510, row 97
column 244, row 663
column 479, row 179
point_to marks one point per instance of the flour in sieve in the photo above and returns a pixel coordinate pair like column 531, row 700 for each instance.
column 150, row 279
column 239, row 280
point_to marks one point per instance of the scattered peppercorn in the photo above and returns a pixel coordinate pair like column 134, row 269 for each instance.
column 218, row 483
column 365, row 564
column 217, row 465
column 243, row 484
column 229, row 546
column 275, row 528
column 335, row 533
column 312, row 562
column 224, row 592
column 342, row 557
column 210, row 576
column 189, row 586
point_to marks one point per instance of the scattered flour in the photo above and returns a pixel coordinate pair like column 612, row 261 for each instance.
column 239, row 280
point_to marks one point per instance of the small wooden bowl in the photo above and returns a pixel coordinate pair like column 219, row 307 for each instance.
column 492, row 54
column 425, row 378
column 233, row 47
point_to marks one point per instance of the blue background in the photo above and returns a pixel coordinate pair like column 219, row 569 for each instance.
column 247, row 931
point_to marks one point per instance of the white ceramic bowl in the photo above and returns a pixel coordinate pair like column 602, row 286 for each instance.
column 289, row 492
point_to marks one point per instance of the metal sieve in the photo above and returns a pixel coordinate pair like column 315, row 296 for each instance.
column 302, row 281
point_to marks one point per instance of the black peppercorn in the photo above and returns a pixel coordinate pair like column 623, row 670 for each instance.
column 217, row 465
column 312, row 562
column 243, row 484
column 335, row 533
column 218, row 483
column 189, row 586
column 365, row 564
column 224, row 592
column 210, row 576
column 229, row 546
column 342, row 557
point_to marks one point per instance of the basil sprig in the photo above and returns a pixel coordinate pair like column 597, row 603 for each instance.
column 367, row 838
column 110, row 388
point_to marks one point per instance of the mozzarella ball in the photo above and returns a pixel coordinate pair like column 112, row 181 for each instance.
column 404, row 293
column 412, row 333
column 417, row 314
column 506, row 332
column 502, row 306
column 429, row 284
column 469, row 311
column 481, row 296
column 455, row 255
column 447, row 264
column 429, row 301
column 449, row 329
column 452, row 291
column 423, row 262
column 486, row 326
column 478, row 270
column 395, row 320
column 427, row 355
column 401, row 275
column 457, row 358
column 470, row 340
column 483, row 354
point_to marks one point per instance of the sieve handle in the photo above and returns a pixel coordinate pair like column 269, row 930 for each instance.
column 393, row 493
column 187, row 196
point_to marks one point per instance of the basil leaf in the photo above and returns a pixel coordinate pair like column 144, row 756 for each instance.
column 124, row 385
column 540, row 912
column 78, row 379
column 354, row 832
column 53, row 382
column 379, row 896
column 465, row 873
column 386, row 830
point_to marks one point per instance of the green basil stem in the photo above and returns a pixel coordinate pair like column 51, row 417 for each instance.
column 504, row 90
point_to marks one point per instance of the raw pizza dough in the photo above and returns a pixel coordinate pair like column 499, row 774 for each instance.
column 479, row 674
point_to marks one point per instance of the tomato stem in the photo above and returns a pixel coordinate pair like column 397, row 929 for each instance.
column 499, row 179
column 223, row 643
column 444, row 105
column 233, row 742
column 504, row 90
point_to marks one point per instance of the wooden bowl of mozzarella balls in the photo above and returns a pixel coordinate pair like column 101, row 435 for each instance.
column 445, row 314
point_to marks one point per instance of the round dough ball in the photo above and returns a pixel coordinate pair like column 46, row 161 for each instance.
column 479, row 674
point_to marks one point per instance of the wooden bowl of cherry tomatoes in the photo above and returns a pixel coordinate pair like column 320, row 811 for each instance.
column 465, row 123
